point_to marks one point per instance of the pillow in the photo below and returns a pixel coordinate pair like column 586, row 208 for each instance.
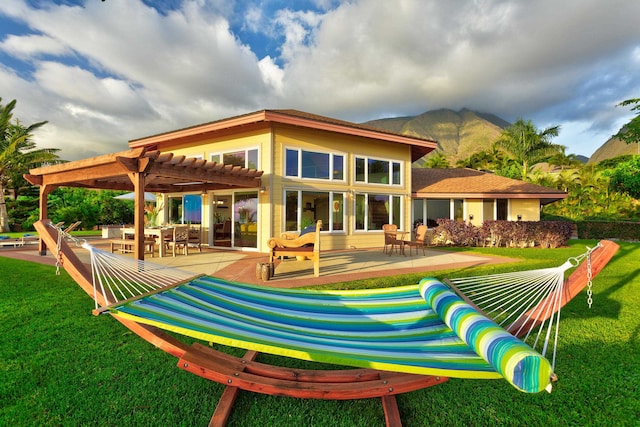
column 307, row 230
column 519, row 364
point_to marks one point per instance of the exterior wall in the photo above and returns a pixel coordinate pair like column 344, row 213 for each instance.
column 256, row 138
column 272, row 142
column 529, row 209
column 474, row 208
column 349, row 146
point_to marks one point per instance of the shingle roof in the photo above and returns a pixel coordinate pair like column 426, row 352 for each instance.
column 469, row 183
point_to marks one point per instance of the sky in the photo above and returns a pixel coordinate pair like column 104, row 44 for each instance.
column 106, row 72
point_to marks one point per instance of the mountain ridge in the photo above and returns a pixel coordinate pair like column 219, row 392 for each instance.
column 459, row 133
column 464, row 132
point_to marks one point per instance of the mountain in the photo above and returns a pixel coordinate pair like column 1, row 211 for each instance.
column 613, row 148
column 459, row 134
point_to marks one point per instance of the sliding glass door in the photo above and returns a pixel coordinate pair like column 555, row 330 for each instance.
column 235, row 218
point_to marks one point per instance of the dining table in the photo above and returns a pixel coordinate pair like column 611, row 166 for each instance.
column 160, row 233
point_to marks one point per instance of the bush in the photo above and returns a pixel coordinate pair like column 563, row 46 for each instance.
column 628, row 230
column 456, row 233
column 521, row 234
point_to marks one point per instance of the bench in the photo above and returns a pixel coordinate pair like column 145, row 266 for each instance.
column 16, row 243
column 126, row 245
column 291, row 244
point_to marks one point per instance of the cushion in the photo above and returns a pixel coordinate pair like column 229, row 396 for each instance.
column 307, row 230
column 519, row 364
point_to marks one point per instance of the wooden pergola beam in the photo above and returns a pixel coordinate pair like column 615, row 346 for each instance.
column 139, row 170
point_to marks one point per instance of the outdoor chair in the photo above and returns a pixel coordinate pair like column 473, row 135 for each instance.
column 419, row 241
column 180, row 239
column 195, row 238
column 391, row 239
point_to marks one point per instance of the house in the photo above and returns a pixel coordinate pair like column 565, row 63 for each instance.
column 475, row 196
column 354, row 178
column 247, row 178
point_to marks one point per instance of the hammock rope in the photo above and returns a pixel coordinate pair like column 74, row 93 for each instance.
column 517, row 299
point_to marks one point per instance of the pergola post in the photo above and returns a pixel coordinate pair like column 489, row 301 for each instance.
column 138, row 214
column 45, row 190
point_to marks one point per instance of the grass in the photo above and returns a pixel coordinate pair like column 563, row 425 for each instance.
column 59, row 365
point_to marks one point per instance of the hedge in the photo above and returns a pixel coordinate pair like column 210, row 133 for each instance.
column 545, row 234
column 622, row 230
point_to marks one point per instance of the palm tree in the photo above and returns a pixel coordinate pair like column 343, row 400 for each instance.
column 564, row 161
column 526, row 145
column 18, row 153
column 437, row 161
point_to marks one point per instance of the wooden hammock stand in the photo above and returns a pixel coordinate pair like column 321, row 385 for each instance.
column 247, row 374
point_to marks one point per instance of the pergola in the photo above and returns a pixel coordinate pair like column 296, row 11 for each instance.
column 139, row 170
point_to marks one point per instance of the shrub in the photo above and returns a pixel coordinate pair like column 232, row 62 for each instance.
column 522, row 234
column 626, row 230
column 456, row 233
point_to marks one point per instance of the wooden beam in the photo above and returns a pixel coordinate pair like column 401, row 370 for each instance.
column 228, row 398
column 138, row 214
column 45, row 190
column 87, row 163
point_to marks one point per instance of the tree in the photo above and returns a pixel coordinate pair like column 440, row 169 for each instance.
column 437, row 161
column 630, row 133
column 488, row 160
column 18, row 153
column 528, row 146
column 625, row 177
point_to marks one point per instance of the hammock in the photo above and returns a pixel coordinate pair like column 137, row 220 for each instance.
column 424, row 329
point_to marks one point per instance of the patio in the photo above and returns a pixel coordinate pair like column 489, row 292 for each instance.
column 335, row 266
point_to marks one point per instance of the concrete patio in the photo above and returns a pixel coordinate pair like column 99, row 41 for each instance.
column 335, row 266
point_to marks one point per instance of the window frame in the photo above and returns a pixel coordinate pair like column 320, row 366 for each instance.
column 300, row 167
column 221, row 154
column 391, row 163
column 398, row 198
column 327, row 226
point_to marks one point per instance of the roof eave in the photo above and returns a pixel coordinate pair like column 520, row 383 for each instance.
column 419, row 146
column 548, row 197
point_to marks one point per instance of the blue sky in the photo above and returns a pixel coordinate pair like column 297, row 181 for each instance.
column 105, row 72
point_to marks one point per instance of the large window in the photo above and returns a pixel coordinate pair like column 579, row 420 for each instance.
column 304, row 208
column 377, row 171
column 244, row 158
column 185, row 209
column 428, row 211
column 372, row 211
column 312, row 164
column 495, row 209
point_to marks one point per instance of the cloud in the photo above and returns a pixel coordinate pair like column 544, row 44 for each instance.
column 106, row 72
column 25, row 47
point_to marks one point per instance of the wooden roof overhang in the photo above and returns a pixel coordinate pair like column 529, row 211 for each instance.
column 260, row 119
column 140, row 170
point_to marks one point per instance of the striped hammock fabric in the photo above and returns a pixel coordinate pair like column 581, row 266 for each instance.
column 422, row 329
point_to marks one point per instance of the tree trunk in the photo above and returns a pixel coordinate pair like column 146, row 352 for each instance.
column 4, row 215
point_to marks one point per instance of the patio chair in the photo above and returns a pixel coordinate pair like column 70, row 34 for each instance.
column 195, row 238
column 391, row 239
column 419, row 240
column 180, row 239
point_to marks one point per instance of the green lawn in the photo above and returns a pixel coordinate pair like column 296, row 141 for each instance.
column 59, row 365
